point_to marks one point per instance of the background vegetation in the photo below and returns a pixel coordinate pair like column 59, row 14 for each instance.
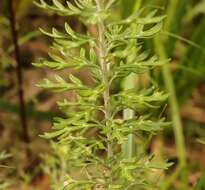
column 182, row 40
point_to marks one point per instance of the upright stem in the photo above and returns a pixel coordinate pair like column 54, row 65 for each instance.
column 128, row 147
column 169, row 83
column 105, row 73
column 129, row 83
column 137, row 6
column 175, row 114
column 19, row 73
column 168, row 80
column 171, row 10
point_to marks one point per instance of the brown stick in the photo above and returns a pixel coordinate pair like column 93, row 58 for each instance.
column 19, row 74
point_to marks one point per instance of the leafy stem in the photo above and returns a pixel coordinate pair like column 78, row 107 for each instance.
column 105, row 73
column 113, row 54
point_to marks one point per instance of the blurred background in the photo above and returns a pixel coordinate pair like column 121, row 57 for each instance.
column 182, row 40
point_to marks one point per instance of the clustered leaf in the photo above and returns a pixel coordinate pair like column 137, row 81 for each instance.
column 80, row 139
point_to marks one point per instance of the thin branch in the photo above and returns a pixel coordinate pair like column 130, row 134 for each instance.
column 19, row 73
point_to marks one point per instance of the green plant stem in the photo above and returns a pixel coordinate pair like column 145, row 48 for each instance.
column 169, row 83
column 137, row 5
column 168, row 80
column 129, row 83
column 105, row 73
column 171, row 11
column 175, row 114
column 128, row 147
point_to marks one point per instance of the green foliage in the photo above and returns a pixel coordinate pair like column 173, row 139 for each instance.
column 80, row 160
